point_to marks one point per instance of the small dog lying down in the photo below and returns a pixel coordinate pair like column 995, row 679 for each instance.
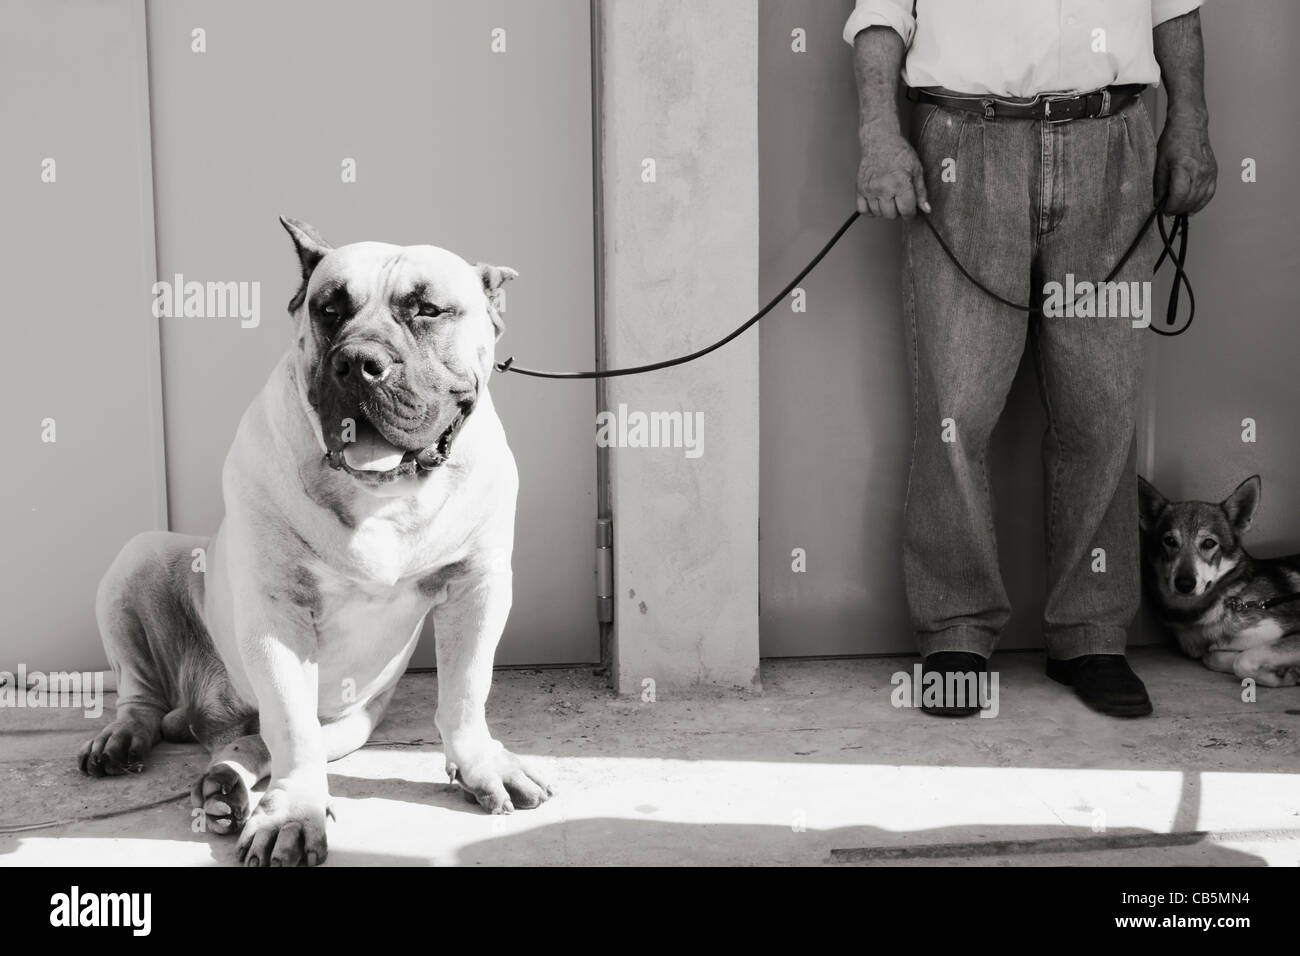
column 1235, row 613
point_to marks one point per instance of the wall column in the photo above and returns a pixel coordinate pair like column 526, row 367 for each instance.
column 679, row 145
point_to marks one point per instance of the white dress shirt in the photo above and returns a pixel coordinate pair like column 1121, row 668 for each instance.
column 1022, row 47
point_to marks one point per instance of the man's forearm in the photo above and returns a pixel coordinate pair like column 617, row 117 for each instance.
column 1181, row 54
column 877, row 60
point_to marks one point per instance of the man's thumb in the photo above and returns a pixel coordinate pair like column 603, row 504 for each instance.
column 918, row 186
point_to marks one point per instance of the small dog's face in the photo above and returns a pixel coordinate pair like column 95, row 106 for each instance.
column 1189, row 546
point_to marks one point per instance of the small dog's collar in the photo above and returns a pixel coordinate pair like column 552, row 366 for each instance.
column 1236, row 604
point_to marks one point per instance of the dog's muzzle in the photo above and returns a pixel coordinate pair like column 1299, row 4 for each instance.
column 412, row 462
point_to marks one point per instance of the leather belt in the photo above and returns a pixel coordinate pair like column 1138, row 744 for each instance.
column 1047, row 107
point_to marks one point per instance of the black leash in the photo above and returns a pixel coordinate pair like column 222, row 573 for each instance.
column 1177, row 258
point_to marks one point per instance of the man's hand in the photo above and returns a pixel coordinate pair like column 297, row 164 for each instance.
column 891, row 181
column 1185, row 168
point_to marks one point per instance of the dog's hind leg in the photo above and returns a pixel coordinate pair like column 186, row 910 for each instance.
column 133, row 607
column 122, row 746
column 240, row 763
column 228, row 728
column 1273, row 665
column 224, row 792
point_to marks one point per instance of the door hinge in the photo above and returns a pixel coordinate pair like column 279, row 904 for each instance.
column 605, row 570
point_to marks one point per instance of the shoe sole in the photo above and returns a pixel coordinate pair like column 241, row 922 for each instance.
column 1130, row 710
column 949, row 711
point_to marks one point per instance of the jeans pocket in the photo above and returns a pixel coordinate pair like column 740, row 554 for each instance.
column 922, row 115
column 1141, row 130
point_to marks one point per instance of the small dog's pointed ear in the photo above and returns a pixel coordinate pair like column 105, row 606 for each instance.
column 311, row 249
column 1151, row 504
column 1241, row 504
column 494, row 277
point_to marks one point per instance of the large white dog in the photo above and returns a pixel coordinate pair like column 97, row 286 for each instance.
column 369, row 484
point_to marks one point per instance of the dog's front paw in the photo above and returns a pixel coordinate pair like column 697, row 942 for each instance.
column 1267, row 667
column 286, row 829
column 500, row 783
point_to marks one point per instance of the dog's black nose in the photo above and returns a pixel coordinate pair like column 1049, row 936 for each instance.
column 1184, row 585
column 362, row 363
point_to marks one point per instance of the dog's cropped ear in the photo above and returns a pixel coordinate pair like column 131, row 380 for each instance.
column 1241, row 504
column 494, row 277
column 1151, row 504
column 311, row 250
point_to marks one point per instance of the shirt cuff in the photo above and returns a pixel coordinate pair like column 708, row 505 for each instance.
column 887, row 15
column 1162, row 10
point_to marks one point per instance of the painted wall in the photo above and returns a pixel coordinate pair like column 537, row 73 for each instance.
column 835, row 408
column 485, row 153
column 1239, row 360
column 681, row 268
column 81, row 344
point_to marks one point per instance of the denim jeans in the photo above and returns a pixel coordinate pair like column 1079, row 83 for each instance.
column 1030, row 202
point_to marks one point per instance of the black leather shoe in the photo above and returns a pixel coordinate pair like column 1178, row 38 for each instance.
column 1104, row 682
column 953, row 662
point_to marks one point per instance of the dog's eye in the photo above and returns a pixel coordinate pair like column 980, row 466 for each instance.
column 329, row 311
column 1209, row 544
column 429, row 309
column 1170, row 541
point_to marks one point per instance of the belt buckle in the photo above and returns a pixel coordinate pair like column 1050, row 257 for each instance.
column 1047, row 109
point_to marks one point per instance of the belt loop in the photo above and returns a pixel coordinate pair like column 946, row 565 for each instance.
column 989, row 112
column 1105, row 102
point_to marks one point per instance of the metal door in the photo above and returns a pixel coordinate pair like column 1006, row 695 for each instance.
column 82, row 426
column 462, row 124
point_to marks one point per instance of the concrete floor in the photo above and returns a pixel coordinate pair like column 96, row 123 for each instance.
column 819, row 769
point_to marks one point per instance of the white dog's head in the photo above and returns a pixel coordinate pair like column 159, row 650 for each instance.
column 395, row 345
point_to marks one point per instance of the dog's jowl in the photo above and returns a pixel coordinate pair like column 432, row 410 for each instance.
column 369, row 484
